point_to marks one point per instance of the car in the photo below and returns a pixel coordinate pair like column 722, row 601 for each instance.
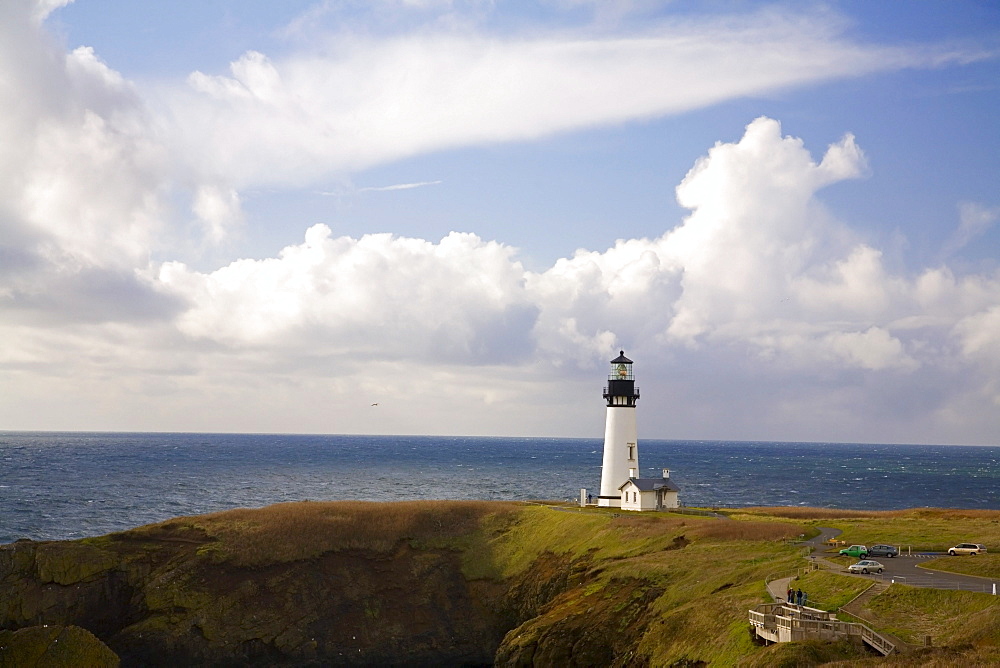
column 883, row 551
column 967, row 548
column 866, row 567
column 857, row 551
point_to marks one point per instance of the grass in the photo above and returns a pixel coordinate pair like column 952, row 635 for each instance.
column 294, row 531
column 984, row 565
column 604, row 536
column 950, row 617
column 705, row 573
column 805, row 513
column 920, row 529
column 829, row 591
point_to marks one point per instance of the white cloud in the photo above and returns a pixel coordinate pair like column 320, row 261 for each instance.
column 82, row 179
column 80, row 173
column 857, row 285
column 40, row 9
column 758, row 263
column 974, row 221
column 398, row 186
column 357, row 102
column 389, row 297
column 218, row 210
column 979, row 335
column 874, row 349
column 755, row 225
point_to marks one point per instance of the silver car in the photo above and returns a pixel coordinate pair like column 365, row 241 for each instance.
column 967, row 548
column 883, row 551
column 866, row 566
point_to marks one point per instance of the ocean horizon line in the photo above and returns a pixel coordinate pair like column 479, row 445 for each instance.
column 707, row 441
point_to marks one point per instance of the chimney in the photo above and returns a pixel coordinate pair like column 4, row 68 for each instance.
column 666, row 473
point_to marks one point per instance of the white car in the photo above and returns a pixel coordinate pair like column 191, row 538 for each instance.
column 866, row 567
column 967, row 548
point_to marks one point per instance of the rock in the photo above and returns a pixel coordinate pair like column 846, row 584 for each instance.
column 54, row 647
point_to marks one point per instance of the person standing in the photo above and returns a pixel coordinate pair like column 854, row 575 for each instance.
column 805, row 598
column 798, row 597
column 790, row 593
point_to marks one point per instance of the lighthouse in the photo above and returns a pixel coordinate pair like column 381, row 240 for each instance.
column 621, row 446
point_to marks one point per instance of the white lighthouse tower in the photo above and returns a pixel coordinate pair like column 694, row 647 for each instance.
column 621, row 447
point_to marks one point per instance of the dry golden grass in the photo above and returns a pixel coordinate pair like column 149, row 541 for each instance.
column 749, row 530
column 951, row 617
column 797, row 513
column 636, row 527
column 304, row 530
column 835, row 513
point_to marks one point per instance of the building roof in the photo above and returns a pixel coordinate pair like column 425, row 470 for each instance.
column 651, row 484
column 621, row 359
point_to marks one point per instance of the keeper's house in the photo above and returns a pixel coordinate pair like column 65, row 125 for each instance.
column 649, row 493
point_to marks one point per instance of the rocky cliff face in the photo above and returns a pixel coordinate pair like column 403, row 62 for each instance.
column 164, row 604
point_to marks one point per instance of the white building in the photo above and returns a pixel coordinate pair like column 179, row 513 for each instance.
column 649, row 493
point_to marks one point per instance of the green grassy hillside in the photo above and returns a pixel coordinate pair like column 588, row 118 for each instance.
column 474, row 583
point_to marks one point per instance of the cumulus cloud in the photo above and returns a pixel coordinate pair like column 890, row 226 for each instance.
column 979, row 336
column 82, row 177
column 754, row 225
column 758, row 263
column 461, row 299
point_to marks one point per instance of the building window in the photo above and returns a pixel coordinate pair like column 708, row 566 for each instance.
column 631, row 450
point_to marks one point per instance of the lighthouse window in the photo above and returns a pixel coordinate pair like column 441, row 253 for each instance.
column 631, row 451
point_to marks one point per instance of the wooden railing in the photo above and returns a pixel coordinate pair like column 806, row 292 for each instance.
column 876, row 640
column 769, row 617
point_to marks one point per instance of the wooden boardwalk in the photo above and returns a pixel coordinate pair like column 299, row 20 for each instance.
column 784, row 622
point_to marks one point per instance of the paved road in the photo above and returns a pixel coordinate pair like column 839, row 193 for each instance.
column 905, row 569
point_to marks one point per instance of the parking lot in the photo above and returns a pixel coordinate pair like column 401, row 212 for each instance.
column 905, row 569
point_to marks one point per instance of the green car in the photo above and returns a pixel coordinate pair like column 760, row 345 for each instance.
column 857, row 551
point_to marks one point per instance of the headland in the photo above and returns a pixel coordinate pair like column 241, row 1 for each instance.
column 480, row 583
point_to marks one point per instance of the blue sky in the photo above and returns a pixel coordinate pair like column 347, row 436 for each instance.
column 254, row 216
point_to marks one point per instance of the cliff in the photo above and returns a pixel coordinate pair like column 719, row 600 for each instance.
column 412, row 583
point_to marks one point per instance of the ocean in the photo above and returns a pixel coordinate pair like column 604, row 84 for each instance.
column 71, row 485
